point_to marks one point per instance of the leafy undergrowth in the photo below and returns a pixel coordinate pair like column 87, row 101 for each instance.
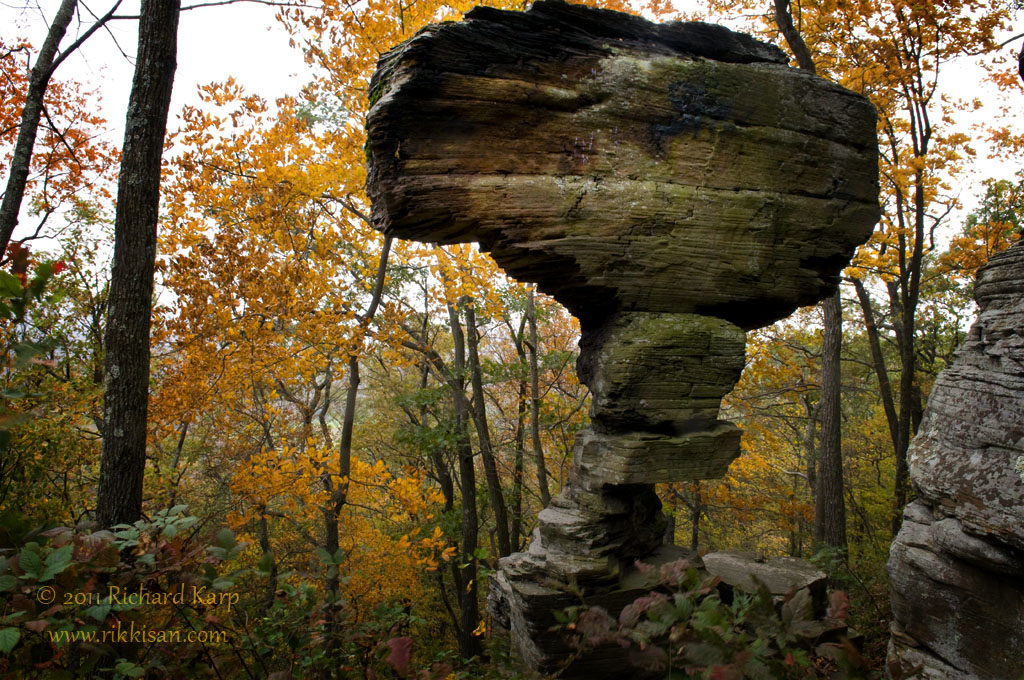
column 153, row 600
column 684, row 629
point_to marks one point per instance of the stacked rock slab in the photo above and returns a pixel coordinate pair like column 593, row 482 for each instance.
column 673, row 186
column 957, row 564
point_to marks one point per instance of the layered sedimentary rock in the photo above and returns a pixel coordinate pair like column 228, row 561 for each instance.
column 957, row 564
column 673, row 186
column 660, row 378
column 780, row 575
column 623, row 165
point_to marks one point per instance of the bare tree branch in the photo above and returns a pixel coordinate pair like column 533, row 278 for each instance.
column 784, row 20
column 268, row 3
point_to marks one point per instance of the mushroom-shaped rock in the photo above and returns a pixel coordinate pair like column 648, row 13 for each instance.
column 673, row 186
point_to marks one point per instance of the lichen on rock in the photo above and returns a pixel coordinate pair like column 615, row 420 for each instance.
column 957, row 564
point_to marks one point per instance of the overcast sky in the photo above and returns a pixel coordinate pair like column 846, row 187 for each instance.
column 242, row 40
column 245, row 41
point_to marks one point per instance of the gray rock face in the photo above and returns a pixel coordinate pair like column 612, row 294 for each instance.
column 744, row 570
column 673, row 186
column 660, row 372
column 957, row 565
column 521, row 604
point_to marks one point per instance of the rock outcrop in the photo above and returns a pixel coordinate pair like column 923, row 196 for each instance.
column 747, row 571
column 673, row 186
column 623, row 165
column 957, row 564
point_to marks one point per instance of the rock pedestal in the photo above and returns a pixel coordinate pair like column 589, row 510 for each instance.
column 957, row 564
column 673, row 186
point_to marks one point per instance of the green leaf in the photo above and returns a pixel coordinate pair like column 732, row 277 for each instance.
column 30, row 562
column 57, row 296
column 98, row 611
column 170, row 531
column 56, row 562
column 324, row 556
column 18, row 308
column 266, row 563
column 24, row 352
column 43, row 274
column 10, row 285
column 8, row 637
column 126, row 536
column 7, row 582
column 129, row 669
column 226, row 539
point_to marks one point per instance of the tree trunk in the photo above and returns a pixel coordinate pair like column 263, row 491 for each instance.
column 827, row 481
column 696, row 510
column 903, row 302
column 670, row 529
column 878, row 360
column 830, row 512
column 178, row 450
column 271, row 591
column 339, row 495
column 483, row 434
column 902, row 481
column 325, row 408
column 810, row 443
column 516, row 532
column 442, row 470
column 469, row 612
column 21, row 160
column 899, row 423
column 47, row 62
column 538, row 450
column 784, row 20
column 130, row 304
column 904, row 295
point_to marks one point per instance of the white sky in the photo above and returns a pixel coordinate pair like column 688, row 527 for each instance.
column 245, row 41
column 242, row 40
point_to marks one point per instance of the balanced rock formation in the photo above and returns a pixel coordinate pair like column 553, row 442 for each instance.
column 673, row 186
column 957, row 564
